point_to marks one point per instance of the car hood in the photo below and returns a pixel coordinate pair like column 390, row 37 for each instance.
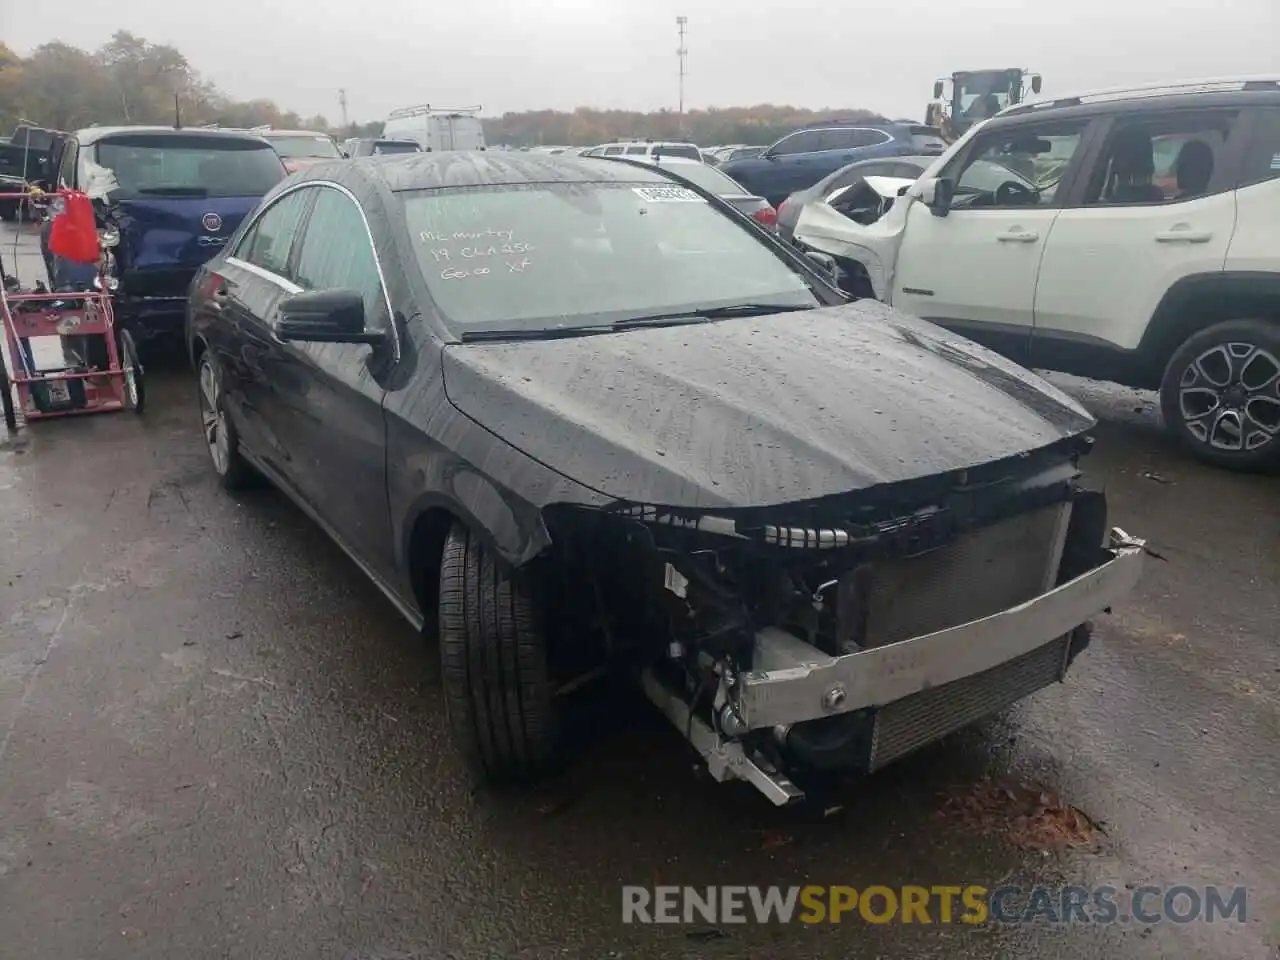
column 761, row 411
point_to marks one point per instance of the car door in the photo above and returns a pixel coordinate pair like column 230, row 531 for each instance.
column 330, row 394
column 1132, row 229
column 251, row 282
column 974, row 269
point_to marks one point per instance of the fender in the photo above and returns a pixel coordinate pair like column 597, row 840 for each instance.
column 1199, row 300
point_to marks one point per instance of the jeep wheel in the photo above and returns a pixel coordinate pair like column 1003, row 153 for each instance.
column 494, row 665
column 1221, row 394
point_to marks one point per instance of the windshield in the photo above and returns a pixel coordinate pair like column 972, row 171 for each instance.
column 982, row 95
column 306, row 146
column 142, row 165
column 708, row 178
column 550, row 256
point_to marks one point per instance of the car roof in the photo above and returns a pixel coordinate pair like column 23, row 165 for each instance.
column 93, row 134
column 1187, row 94
column 427, row 171
column 268, row 134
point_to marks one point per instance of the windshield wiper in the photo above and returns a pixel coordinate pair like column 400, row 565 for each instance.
column 675, row 319
column 700, row 314
column 535, row 333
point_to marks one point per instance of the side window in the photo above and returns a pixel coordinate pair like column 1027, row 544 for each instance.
column 852, row 139
column 1162, row 158
column 268, row 241
column 909, row 170
column 336, row 254
column 636, row 150
column 612, row 151
column 1019, row 167
column 807, row 141
column 1262, row 161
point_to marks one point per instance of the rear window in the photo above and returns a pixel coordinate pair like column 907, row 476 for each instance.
column 686, row 150
column 305, row 147
column 634, row 151
column 395, row 146
column 184, row 166
column 708, row 178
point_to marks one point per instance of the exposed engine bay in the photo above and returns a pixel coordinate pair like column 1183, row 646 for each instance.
column 809, row 637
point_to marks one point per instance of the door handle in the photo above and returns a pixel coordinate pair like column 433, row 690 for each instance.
column 1184, row 235
column 1018, row 236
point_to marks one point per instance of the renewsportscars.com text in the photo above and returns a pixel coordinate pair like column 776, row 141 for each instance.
column 943, row 904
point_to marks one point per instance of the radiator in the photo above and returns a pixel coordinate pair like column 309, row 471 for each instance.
column 983, row 572
column 920, row 719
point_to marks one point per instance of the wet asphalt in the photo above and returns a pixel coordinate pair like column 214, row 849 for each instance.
column 217, row 739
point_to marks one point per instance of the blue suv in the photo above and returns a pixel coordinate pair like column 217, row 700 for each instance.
column 805, row 156
column 174, row 195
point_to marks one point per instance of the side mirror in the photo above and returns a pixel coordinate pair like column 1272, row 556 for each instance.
column 936, row 193
column 325, row 316
column 823, row 261
column 1035, row 83
column 937, row 89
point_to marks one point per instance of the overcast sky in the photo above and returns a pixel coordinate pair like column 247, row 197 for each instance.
column 528, row 54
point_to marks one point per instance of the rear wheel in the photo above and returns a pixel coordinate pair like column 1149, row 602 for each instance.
column 6, row 398
column 1221, row 394
column 234, row 472
column 494, row 665
column 135, row 392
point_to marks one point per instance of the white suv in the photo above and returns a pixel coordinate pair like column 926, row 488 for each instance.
column 646, row 149
column 1132, row 235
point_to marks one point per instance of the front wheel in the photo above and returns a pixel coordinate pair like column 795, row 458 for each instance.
column 494, row 665
column 1221, row 395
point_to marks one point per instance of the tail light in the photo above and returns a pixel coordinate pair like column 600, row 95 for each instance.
column 767, row 216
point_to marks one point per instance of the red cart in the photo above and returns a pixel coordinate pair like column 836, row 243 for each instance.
column 95, row 366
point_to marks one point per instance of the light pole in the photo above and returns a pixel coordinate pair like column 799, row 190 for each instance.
column 682, row 52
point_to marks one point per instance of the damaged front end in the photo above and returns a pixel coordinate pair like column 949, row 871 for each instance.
column 844, row 633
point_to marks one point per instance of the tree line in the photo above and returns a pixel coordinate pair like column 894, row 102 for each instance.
column 129, row 80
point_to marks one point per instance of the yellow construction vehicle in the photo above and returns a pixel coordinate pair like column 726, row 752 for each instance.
column 976, row 95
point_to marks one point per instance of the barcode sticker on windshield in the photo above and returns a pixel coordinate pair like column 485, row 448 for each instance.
column 667, row 194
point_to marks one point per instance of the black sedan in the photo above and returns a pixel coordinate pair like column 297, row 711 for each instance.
column 569, row 413
column 789, row 209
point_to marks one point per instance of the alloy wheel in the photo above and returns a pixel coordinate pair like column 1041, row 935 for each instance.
column 1229, row 397
column 211, row 415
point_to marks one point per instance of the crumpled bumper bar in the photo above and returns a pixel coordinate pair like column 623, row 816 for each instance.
column 919, row 688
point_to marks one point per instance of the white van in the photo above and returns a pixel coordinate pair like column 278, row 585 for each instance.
column 436, row 128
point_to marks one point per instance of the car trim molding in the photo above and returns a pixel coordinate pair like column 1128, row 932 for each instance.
column 283, row 283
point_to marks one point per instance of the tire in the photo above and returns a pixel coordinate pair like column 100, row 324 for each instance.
column 494, row 665
column 6, row 399
column 1220, row 395
column 135, row 384
column 234, row 472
